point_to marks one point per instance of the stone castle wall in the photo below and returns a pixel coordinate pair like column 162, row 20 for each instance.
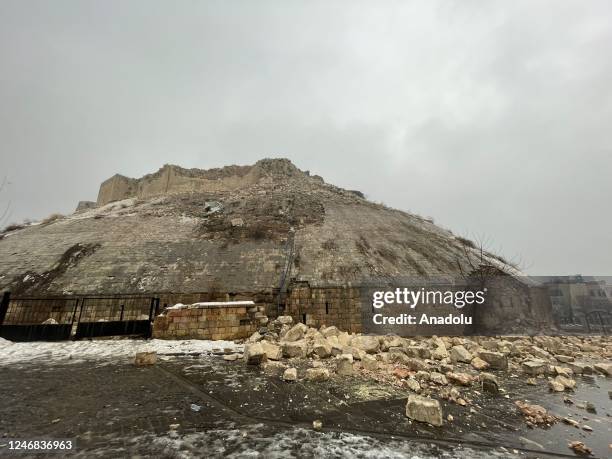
column 217, row 322
column 174, row 179
column 338, row 306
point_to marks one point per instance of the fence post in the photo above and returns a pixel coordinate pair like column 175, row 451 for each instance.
column 151, row 309
column 6, row 298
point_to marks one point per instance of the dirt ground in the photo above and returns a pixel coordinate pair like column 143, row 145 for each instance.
column 203, row 406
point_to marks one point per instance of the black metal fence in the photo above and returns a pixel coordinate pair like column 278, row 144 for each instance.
column 62, row 318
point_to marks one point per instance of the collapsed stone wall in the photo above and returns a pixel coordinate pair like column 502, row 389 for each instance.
column 512, row 305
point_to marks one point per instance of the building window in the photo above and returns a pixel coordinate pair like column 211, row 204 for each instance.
column 326, row 307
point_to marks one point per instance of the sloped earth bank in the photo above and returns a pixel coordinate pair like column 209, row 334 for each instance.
column 192, row 403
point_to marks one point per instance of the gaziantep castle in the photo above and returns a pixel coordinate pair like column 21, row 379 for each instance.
column 269, row 233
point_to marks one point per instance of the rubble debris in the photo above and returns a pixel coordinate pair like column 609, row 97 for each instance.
column 460, row 354
column 424, row 409
column 369, row 363
column 290, row 375
column 561, row 383
column 489, row 383
column 555, row 386
column 496, row 360
column 294, row 349
column 254, row 354
column 604, row 368
column 284, row 320
column 534, row 367
column 479, row 364
column 317, row 374
column 413, row 385
column 580, row 448
column 231, row 357
column 462, row 379
column 369, row 344
column 322, row 348
column 535, row 414
column 344, row 365
column 317, row 424
column 295, row 333
column 438, row 378
column 145, row 358
column 272, row 351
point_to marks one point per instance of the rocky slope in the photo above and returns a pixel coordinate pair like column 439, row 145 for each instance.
column 234, row 239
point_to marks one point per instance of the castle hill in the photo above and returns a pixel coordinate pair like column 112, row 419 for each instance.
column 261, row 302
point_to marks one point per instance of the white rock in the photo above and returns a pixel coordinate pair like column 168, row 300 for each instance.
column 254, row 354
column 424, row 409
column 145, row 358
column 290, row 375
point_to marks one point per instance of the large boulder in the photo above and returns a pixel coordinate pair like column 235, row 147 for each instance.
column 290, row 375
column 330, row 331
column 582, row 368
column 255, row 337
column 534, row 367
column 285, row 320
column 438, row 378
column 424, row 409
column 567, row 383
column 273, row 352
column 344, row 366
column 439, row 353
column 295, row 333
column 496, row 360
column 489, row 383
column 388, row 342
column 420, row 352
column 294, row 349
column 322, row 348
column 317, row 374
column 369, row 344
column 460, row 354
column 356, row 353
column 479, row 364
column 145, row 358
column 254, row 354
column 462, row 379
column 369, row 363
column 345, row 339
column 604, row 368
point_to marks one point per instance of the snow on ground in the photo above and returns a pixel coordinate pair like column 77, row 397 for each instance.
column 104, row 351
column 255, row 441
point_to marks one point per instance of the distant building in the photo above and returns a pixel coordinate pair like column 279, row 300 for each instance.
column 575, row 297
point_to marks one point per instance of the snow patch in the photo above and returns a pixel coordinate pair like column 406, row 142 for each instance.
column 103, row 351
column 211, row 303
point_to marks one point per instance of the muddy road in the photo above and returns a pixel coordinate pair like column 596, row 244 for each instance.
column 202, row 406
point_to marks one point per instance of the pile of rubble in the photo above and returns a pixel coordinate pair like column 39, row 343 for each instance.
column 441, row 367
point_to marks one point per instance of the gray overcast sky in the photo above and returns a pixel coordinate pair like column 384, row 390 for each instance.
column 494, row 118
